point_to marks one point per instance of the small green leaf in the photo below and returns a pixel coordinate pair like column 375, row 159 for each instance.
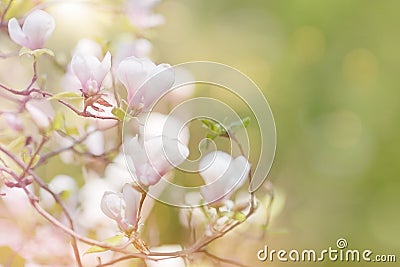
column 242, row 123
column 119, row 113
column 72, row 131
column 66, row 95
column 58, row 122
column 213, row 126
column 239, row 216
column 112, row 241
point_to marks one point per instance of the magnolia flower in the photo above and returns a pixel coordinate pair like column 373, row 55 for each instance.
column 122, row 207
column 140, row 13
column 222, row 175
column 144, row 81
column 37, row 28
column 156, row 124
column 90, row 71
column 95, row 142
column 41, row 112
column 154, row 158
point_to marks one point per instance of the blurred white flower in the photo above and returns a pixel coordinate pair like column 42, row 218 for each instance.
column 156, row 124
column 13, row 121
column 139, row 48
column 37, row 28
column 222, row 175
column 122, row 208
column 144, row 81
column 140, row 13
column 41, row 112
column 87, row 47
column 60, row 184
column 154, row 158
column 95, row 142
column 90, row 71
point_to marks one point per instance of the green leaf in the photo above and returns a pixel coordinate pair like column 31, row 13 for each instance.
column 213, row 126
column 119, row 113
column 72, row 131
column 242, row 123
column 112, row 241
column 58, row 122
column 239, row 216
column 66, row 95
column 36, row 53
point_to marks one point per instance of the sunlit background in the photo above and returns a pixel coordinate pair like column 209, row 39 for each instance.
column 330, row 71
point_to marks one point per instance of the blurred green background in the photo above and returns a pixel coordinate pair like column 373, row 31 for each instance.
column 330, row 71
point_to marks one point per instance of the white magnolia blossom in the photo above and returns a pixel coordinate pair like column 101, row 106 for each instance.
column 37, row 28
column 122, row 207
column 156, row 124
column 90, row 71
column 140, row 13
column 144, row 81
column 153, row 158
column 222, row 175
column 139, row 48
column 95, row 142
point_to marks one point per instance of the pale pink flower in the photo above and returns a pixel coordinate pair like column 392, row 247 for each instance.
column 122, row 207
column 154, row 158
column 222, row 175
column 139, row 48
column 140, row 13
column 37, row 28
column 144, row 81
column 90, row 71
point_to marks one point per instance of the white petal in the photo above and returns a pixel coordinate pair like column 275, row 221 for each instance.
column 132, row 201
column 101, row 71
column 38, row 26
column 111, row 205
column 131, row 74
column 160, row 79
column 95, row 143
column 80, row 69
column 16, row 33
column 213, row 166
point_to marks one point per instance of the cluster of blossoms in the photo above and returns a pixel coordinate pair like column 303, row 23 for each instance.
column 109, row 199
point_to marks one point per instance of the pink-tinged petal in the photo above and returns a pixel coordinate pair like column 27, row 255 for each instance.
column 132, row 202
column 131, row 74
column 100, row 72
column 38, row 26
column 16, row 33
column 160, row 80
column 111, row 205
column 80, row 69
